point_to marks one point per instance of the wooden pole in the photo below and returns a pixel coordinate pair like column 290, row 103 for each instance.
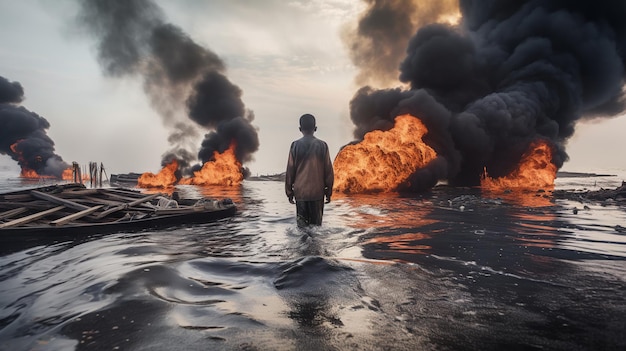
column 102, row 171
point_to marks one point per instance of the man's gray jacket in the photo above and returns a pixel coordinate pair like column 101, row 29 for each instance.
column 309, row 175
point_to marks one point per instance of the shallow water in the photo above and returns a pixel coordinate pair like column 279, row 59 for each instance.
column 452, row 269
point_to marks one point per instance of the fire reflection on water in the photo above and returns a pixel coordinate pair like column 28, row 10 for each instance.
column 384, row 210
column 386, row 213
column 400, row 228
column 521, row 197
column 403, row 243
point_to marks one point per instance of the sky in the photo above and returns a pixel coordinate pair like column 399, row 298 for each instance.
column 286, row 56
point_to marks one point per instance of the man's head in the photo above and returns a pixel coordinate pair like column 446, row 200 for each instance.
column 307, row 124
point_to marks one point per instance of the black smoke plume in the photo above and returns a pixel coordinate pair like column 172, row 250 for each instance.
column 216, row 104
column 509, row 73
column 134, row 39
column 23, row 134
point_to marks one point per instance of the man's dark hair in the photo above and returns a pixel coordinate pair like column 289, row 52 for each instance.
column 307, row 123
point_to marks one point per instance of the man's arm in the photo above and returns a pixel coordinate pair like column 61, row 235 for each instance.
column 329, row 176
column 290, row 175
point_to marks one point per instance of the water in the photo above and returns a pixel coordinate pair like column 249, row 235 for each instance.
column 448, row 270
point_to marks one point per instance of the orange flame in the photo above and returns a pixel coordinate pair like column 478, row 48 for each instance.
column 382, row 161
column 68, row 174
column 225, row 169
column 535, row 171
column 13, row 148
column 25, row 172
column 32, row 174
column 164, row 179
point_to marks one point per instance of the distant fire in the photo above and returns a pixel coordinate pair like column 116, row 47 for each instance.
column 13, row 148
column 225, row 169
column 32, row 174
column 535, row 171
column 383, row 160
column 27, row 172
column 68, row 174
column 164, row 179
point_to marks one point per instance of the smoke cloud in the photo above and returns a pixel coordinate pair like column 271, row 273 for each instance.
column 378, row 43
column 510, row 72
column 134, row 39
column 23, row 134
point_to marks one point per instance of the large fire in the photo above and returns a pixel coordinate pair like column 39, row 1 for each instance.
column 535, row 171
column 225, row 169
column 68, row 174
column 32, row 174
column 164, row 179
column 382, row 161
column 26, row 172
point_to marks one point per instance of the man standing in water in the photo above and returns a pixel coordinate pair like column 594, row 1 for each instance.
column 309, row 174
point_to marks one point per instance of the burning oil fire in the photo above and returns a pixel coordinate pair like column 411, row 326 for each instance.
column 164, row 179
column 32, row 174
column 25, row 172
column 535, row 171
column 68, row 174
column 225, row 169
column 383, row 161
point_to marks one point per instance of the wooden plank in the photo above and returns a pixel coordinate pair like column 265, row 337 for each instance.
column 145, row 199
column 97, row 200
column 31, row 218
column 13, row 212
column 78, row 193
column 59, row 201
column 32, row 205
column 120, row 197
column 66, row 219
column 17, row 197
column 127, row 205
column 130, row 193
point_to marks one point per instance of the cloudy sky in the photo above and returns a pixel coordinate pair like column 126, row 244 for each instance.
column 286, row 56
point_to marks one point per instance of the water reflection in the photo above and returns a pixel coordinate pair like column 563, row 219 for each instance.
column 325, row 301
column 384, row 210
column 521, row 197
column 402, row 243
column 462, row 271
column 511, row 231
column 536, row 228
column 394, row 225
